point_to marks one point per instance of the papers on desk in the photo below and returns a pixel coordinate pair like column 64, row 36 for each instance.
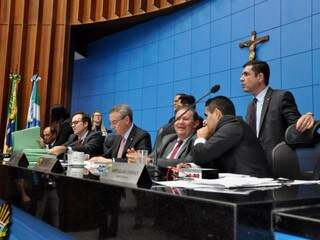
column 233, row 183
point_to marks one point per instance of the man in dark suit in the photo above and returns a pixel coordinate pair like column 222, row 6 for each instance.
column 175, row 148
column 82, row 139
column 49, row 137
column 227, row 142
column 271, row 111
column 127, row 136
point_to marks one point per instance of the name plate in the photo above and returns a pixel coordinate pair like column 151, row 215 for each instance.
column 18, row 159
column 48, row 165
column 131, row 173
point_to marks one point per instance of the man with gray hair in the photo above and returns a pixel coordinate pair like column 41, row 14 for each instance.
column 127, row 136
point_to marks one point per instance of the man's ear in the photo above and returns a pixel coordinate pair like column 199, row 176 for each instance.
column 85, row 124
column 219, row 113
column 127, row 119
column 261, row 77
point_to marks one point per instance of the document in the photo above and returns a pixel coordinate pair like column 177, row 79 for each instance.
column 233, row 183
column 26, row 138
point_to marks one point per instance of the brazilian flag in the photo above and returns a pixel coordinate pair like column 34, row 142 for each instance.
column 12, row 112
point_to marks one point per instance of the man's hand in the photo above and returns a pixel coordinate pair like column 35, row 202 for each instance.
column 41, row 141
column 132, row 155
column 57, row 150
column 305, row 122
column 203, row 132
column 183, row 165
column 100, row 159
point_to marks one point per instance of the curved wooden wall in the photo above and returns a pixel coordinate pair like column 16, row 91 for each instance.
column 35, row 37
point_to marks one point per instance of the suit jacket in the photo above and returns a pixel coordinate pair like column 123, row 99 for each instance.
column 138, row 139
column 233, row 148
column 279, row 111
column 165, row 147
column 92, row 144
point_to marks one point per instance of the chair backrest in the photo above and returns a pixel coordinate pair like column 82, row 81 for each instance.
column 299, row 156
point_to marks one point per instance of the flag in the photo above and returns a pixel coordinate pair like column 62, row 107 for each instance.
column 12, row 111
column 33, row 119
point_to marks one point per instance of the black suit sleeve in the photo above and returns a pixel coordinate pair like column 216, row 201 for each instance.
column 144, row 143
column 289, row 109
column 92, row 146
column 224, row 139
column 108, row 146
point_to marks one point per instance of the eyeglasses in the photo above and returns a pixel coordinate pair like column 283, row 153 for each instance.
column 115, row 122
column 75, row 122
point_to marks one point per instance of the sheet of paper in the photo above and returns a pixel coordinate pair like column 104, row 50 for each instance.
column 26, row 138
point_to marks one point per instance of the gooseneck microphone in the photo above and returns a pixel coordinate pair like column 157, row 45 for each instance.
column 214, row 89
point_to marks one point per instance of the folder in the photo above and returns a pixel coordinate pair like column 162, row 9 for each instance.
column 26, row 139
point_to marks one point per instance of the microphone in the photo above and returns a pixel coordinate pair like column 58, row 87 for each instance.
column 214, row 89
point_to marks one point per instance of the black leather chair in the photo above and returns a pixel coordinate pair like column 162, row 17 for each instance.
column 298, row 157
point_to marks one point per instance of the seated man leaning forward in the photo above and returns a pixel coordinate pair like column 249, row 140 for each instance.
column 227, row 142
column 127, row 136
column 174, row 148
column 82, row 139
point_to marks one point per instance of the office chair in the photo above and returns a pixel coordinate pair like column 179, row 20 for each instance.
column 298, row 157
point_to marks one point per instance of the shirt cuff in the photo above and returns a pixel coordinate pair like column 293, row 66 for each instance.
column 199, row 140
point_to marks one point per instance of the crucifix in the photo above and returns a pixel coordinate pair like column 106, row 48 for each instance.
column 252, row 43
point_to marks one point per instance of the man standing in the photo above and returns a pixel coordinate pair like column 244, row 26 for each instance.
column 271, row 110
column 228, row 143
column 82, row 139
column 127, row 136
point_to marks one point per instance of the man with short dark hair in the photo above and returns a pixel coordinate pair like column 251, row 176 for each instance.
column 49, row 137
column 82, row 139
column 272, row 110
column 227, row 142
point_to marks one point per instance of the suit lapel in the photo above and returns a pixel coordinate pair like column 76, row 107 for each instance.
column 265, row 106
column 129, row 141
column 184, row 147
column 168, row 143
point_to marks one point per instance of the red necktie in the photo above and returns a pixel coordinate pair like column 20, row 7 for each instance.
column 176, row 149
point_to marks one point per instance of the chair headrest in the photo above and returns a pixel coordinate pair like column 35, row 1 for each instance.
column 306, row 139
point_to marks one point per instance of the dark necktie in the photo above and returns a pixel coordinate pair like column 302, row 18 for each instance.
column 252, row 116
column 176, row 149
column 79, row 142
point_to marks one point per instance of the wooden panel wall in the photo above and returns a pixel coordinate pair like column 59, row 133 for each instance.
column 35, row 38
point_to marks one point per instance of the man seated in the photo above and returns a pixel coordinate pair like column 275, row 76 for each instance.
column 127, row 136
column 49, row 137
column 177, row 147
column 82, row 139
column 227, row 142
column 181, row 100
